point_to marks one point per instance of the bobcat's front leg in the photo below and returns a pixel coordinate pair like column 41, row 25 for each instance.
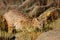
column 10, row 29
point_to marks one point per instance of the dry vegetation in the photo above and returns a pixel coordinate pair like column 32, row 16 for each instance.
column 27, row 19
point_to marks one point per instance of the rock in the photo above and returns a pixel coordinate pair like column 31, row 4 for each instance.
column 50, row 35
column 2, row 5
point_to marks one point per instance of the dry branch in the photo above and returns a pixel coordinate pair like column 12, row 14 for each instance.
column 34, row 12
column 27, row 3
column 37, row 10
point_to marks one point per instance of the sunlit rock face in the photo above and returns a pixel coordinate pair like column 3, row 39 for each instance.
column 50, row 35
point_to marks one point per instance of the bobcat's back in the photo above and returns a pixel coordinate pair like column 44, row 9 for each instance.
column 17, row 19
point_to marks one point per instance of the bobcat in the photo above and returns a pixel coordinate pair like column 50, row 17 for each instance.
column 19, row 20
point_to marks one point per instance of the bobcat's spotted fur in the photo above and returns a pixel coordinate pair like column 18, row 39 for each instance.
column 19, row 20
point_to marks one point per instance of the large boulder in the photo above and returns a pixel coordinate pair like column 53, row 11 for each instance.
column 50, row 35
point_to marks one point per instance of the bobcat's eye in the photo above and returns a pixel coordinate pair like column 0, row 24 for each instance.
column 14, row 31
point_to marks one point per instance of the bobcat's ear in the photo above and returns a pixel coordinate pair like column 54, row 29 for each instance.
column 35, row 22
column 3, row 19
